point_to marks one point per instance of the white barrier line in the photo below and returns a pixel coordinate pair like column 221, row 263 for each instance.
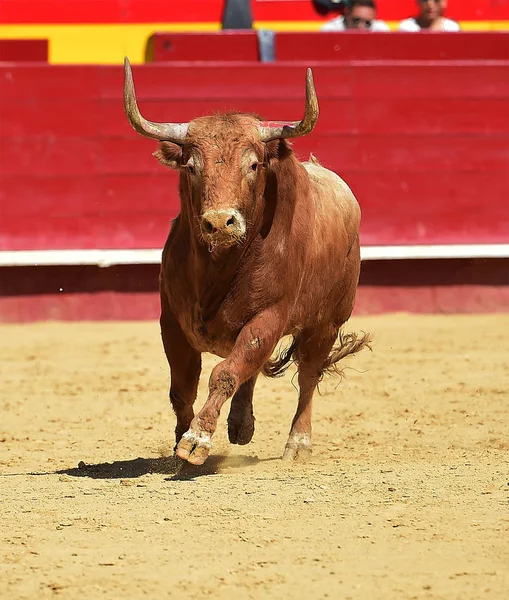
column 101, row 258
column 435, row 251
column 107, row 258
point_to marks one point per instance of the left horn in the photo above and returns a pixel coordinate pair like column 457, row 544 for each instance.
column 291, row 129
column 170, row 132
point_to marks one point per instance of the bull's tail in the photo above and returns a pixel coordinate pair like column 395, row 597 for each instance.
column 349, row 343
column 277, row 366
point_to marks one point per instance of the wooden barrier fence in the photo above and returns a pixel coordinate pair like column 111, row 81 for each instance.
column 423, row 144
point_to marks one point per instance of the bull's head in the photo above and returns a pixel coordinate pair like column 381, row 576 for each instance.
column 222, row 160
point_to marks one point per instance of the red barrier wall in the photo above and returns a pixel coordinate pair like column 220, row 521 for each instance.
column 218, row 46
column 102, row 31
column 355, row 45
column 328, row 46
column 23, row 50
column 130, row 291
column 425, row 147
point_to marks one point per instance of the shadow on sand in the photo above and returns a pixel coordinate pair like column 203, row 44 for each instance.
column 176, row 469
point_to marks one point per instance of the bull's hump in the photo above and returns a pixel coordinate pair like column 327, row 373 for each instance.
column 332, row 194
column 324, row 177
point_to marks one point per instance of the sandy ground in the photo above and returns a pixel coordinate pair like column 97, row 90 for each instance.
column 407, row 495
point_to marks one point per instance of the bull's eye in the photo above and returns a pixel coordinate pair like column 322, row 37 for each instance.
column 254, row 166
column 190, row 169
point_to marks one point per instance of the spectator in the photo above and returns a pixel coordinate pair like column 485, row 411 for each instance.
column 357, row 14
column 431, row 17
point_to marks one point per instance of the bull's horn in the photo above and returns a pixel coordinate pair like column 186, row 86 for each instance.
column 290, row 129
column 171, row 132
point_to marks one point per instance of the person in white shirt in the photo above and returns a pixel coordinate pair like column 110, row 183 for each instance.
column 431, row 17
column 358, row 14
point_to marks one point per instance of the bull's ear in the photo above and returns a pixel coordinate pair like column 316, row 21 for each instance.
column 277, row 150
column 170, row 155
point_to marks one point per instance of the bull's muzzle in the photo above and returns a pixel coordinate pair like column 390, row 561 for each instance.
column 224, row 227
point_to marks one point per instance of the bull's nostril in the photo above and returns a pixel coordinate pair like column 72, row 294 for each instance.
column 222, row 223
column 207, row 225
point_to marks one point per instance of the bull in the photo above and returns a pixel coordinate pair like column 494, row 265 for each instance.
column 265, row 246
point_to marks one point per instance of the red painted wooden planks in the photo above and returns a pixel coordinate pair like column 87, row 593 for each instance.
column 43, row 197
column 329, row 46
column 387, row 193
column 116, row 211
column 225, row 82
column 366, row 153
column 432, row 208
column 428, row 79
column 65, row 230
column 105, row 118
column 32, row 116
column 23, row 50
column 421, row 116
column 355, row 45
column 425, row 148
column 22, row 82
column 47, row 157
column 217, row 46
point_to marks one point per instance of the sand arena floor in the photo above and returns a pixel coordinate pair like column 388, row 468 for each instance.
column 406, row 497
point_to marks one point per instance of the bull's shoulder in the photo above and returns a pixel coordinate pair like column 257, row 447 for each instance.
column 331, row 193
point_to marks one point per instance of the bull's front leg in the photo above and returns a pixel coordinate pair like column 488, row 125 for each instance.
column 185, row 367
column 253, row 347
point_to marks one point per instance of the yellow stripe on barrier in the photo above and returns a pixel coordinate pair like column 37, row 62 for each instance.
column 484, row 25
column 108, row 44
column 98, row 44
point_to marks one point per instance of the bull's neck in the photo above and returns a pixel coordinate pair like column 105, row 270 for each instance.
column 214, row 274
column 212, row 271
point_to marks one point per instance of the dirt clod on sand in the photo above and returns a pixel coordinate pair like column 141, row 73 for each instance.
column 406, row 495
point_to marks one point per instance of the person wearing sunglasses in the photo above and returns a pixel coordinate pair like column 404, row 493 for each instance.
column 430, row 17
column 357, row 14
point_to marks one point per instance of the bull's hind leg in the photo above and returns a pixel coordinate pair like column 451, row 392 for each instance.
column 185, row 367
column 311, row 355
column 241, row 421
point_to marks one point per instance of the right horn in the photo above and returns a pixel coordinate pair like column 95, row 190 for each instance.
column 291, row 129
column 170, row 132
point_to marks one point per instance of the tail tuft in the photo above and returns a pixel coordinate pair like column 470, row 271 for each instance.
column 276, row 367
column 349, row 343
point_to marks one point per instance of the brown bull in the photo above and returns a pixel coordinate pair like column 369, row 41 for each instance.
column 265, row 246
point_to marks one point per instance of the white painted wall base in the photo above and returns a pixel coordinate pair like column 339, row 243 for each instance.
column 107, row 258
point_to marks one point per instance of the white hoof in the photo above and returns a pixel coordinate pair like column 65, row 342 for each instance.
column 194, row 447
column 298, row 447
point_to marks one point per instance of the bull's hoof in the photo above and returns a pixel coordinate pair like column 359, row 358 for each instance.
column 194, row 447
column 241, row 431
column 298, row 447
